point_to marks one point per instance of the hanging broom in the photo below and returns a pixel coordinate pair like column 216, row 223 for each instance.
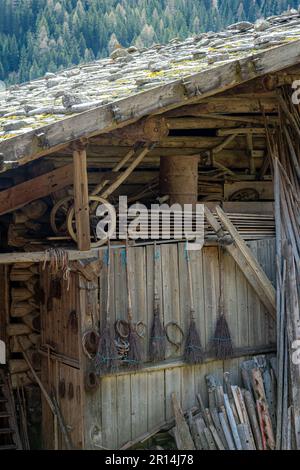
column 134, row 356
column 158, row 343
column 106, row 360
column 193, row 353
column 222, row 342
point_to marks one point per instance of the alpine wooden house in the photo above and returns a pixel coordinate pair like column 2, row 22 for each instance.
column 213, row 119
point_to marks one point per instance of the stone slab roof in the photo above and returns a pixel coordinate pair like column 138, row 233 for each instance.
column 28, row 107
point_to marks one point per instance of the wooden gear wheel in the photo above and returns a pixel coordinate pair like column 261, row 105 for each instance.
column 71, row 219
column 62, row 216
column 58, row 215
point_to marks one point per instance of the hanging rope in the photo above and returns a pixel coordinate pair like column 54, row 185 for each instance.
column 57, row 261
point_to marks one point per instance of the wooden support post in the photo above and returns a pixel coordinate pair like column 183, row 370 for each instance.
column 179, row 178
column 81, row 198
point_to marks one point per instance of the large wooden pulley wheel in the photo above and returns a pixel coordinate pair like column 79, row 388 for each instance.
column 58, row 216
column 94, row 218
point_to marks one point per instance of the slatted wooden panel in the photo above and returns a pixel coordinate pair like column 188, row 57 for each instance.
column 57, row 329
column 134, row 403
column 53, row 373
column 58, row 332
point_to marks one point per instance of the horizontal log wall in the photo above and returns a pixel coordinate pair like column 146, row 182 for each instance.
column 132, row 404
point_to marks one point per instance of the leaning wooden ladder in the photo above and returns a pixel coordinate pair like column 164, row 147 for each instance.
column 9, row 433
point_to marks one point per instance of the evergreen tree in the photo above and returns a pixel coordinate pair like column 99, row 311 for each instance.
column 37, row 36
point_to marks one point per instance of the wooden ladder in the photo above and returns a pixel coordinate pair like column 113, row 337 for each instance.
column 9, row 433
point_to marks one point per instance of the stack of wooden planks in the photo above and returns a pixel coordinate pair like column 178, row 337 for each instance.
column 249, row 226
column 236, row 418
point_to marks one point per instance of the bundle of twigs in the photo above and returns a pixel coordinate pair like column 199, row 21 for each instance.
column 193, row 353
column 222, row 342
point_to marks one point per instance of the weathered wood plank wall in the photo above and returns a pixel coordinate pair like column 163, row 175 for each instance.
column 134, row 403
column 58, row 329
column 127, row 405
column 59, row 332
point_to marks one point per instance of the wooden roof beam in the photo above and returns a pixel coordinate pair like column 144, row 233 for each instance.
column 18, row 196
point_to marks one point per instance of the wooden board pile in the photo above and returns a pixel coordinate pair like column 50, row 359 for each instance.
column 249, row 226
column 24, row 321
column 236, row 418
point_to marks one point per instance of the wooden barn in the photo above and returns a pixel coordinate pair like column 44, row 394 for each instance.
column 212, row 120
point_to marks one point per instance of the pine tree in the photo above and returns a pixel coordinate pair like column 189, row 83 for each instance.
column 39, row 35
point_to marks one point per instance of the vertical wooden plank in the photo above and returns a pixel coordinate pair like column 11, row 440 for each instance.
column 139, row 405
column 91, row 407
column 108, row 409
column 170, row 290
column 242, row 309
column 81, row 200
column 230, row 295
column 184, row 296
column 102, row 289
column 123, row 410
column 139, row 291
column 47, row 416
column 198, row 291
column 263, row 248
column 216, row 368
column 188, row 397
column 211, row 290
column 266, row 256
column 150, row 292
column 196, row 258
column 156, row 398
column 256, row 318
column 172, row 384
column 200, row 371
column 119, row 288
column 232, row 366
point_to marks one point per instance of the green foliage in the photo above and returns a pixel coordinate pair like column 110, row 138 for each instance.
column 37, row 36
